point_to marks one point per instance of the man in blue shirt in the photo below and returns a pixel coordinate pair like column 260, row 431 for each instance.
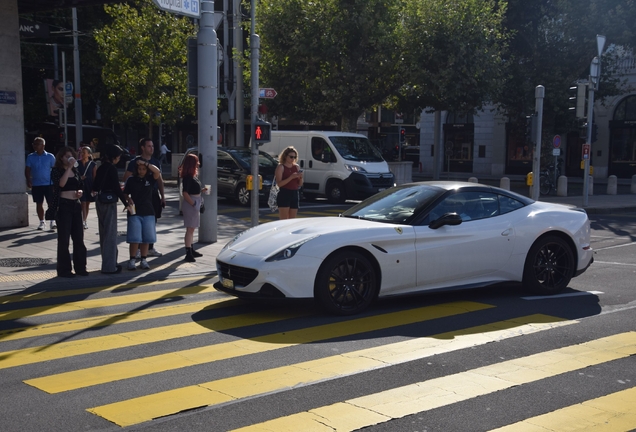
column 146, row 152
column 38, row 177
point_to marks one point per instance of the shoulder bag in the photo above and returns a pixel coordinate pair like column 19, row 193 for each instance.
column 106, row 196
column 273, row 196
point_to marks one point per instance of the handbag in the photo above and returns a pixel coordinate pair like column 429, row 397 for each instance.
column 106, row 197
column 202, row 208
column 273, row 196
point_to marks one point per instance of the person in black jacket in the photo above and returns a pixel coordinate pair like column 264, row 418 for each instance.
column 107, row 180
column 67, row 191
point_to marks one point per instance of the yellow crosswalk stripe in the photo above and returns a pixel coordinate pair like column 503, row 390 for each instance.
column 46, row 294
column 82, row 305
column 83, row 324
column 175, row 360
column 427, row 395
column 61, row 350
column 145, row 408
column 615, row 412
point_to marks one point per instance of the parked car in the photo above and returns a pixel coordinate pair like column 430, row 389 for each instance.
column 418, row 237
column 234, row 164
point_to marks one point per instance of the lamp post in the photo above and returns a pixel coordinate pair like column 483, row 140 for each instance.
column 595, row 73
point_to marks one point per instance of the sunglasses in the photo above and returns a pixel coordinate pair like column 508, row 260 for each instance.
column 290, row 156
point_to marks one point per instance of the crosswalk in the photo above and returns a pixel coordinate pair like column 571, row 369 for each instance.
column 126, row 349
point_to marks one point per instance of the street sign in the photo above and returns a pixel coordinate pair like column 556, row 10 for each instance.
column 183, row 7
column 556, row 152
column 267, row 93
column 69, row 88
column 556, row 141
column 586, row 151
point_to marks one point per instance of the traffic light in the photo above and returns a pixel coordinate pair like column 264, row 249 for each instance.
column 578, row 99
column 402, row 134
column 262, row 132
column 531, row 128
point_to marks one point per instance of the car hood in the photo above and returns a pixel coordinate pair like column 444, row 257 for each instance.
column 271, row 237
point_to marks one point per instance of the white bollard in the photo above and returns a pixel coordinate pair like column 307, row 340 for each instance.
column 633, row 188
column 562, row 186
column 612, row 185
column 590, row 186
column 504, row 183
column 473, row 180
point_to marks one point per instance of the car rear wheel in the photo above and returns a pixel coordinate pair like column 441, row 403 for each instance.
column 242, row 195
column 346, row 283
column 336, row 193
column 549, row 266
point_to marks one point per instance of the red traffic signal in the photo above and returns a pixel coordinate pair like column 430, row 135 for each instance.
column 402, row 135
column 262, row 132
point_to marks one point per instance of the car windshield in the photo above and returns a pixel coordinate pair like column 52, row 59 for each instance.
column 245, row 159
column 396, row 205
column 356, row 149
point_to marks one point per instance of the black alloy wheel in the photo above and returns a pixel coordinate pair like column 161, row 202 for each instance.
column 549, row 266
column 346, row 284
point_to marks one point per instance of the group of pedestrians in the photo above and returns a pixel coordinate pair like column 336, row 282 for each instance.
column 69, row 186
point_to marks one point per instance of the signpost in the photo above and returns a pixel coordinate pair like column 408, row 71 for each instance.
column 267, row 93
column 183, row 7
column 556, row 152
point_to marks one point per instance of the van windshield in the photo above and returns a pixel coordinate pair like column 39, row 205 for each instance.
column 356, row 149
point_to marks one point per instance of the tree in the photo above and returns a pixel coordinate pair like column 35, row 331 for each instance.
column 145, row 56
column 329, row 60
column 454, row 56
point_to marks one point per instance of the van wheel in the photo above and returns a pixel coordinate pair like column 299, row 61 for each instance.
column 242, row 195
column 336, row 193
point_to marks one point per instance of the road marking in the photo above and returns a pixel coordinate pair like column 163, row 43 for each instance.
column 61, row 350
column 283, row 378
column 614, row 247
column 574, row 294
column 91, row 323
column 207, row 354
column 419, row 397
column 615, row 263
column 614, row 412
column 84, row 304
column 47, row 294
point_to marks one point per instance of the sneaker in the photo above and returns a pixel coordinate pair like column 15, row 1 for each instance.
column 41, row 226
column 154, row 253
column 144, row 265
column 85, row 225
column 131, row 265
column 138, row 256
column 53, row 225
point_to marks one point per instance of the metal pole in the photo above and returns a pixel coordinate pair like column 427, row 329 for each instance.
column 437, row 148
column 238, row 67
column 207, row 70
column 64, row 104
column 56, row 66
column 77, row 88
column 588, row 138
column 539, row 94
column 255, row 44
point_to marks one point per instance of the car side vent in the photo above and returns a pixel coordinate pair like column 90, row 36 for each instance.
column 379, row 248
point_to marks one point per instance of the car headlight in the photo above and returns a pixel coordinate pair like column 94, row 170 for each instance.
column 289, row 251
column 355, row 168
column 236, row 237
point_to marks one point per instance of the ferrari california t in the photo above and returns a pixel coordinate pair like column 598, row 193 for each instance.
column 412, row 238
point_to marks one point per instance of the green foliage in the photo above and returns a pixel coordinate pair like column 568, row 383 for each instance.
column 144, row 51
column 329, row 60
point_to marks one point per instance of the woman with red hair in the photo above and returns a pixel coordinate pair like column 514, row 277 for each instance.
column 191, row 202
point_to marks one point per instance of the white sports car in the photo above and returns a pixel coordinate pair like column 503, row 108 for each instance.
column 412, row 238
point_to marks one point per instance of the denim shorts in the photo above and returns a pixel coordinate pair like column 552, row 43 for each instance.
column 141, row 229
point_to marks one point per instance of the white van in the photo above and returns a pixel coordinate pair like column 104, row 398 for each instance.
column 338, row 165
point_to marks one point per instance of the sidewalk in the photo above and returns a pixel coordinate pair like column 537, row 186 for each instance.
column 27, row 256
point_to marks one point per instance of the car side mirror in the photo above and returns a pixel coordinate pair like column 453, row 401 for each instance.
column 446, row 219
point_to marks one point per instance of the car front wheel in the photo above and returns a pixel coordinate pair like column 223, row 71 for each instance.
column 242, row 195
column 336, row 193
column 346, row 283
column 549, row 266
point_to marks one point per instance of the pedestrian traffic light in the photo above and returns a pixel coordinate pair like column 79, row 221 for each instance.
column 578, row 100
column 262, row 132
column 402, row 134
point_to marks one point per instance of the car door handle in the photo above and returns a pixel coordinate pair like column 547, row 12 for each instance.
column 507, row 232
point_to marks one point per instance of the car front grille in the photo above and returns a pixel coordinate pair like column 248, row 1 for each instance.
column 241, row 276
column 381, row 180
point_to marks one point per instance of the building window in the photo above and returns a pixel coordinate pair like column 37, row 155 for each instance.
column 623, row 139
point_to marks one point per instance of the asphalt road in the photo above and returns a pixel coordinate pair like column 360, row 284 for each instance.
column 176, row 355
